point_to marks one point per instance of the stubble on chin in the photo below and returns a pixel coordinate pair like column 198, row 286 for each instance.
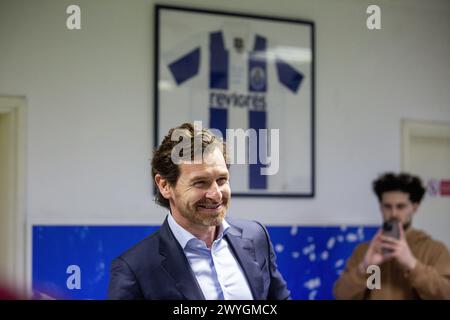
column 211, row 221
column 195, row 216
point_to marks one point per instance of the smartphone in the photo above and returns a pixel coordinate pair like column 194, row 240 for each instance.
column 391, row 229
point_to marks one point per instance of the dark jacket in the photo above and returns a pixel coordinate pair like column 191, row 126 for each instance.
column 157, row 268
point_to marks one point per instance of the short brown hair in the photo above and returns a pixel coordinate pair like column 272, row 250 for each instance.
column 162, row 163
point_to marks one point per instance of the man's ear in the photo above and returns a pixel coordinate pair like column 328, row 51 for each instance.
column 415, row 207
column 380, row 206
column 163, row 186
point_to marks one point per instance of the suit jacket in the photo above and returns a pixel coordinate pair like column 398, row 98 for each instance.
column 157, row 268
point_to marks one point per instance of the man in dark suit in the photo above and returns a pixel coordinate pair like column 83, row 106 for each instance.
column 197, row 253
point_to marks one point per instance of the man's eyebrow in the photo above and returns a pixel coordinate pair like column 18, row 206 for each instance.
column 224, row 174
column 199, row 177
column 206, row 177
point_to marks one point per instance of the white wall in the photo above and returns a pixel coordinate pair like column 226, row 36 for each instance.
column 90, row 106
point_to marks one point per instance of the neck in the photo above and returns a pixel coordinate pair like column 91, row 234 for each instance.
column 205, row 233
column 208, row 236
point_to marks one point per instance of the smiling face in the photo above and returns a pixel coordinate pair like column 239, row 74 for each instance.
column 396, row 205
column 202, row 193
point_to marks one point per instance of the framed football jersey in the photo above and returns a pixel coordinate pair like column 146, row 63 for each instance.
column 248, row 78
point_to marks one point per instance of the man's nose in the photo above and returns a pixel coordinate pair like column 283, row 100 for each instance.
column 394, row 213
column 214, row 192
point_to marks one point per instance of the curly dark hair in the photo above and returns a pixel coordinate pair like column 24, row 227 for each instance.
column 162, row 163
column 403, row 182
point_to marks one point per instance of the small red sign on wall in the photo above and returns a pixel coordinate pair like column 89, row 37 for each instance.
column 445, row 187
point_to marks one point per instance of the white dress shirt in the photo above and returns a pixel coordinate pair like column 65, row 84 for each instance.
column 216, row 269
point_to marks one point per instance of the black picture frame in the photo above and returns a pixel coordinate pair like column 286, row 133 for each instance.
column 174, row 30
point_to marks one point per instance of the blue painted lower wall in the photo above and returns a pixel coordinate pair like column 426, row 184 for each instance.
column 310, row 258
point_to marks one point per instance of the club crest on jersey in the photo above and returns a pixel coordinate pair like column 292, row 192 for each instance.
column 257, row 78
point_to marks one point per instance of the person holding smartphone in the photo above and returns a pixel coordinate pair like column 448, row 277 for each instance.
column 412, row 264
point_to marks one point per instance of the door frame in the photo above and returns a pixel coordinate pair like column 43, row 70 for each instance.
column 15, row 106
column 423, row 129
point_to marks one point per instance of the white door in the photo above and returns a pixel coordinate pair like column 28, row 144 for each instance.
column 12, row 221
column 6, row 205
column 426, row 152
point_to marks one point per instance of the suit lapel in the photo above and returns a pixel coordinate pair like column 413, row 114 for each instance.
column 244, row 250
column 177, row 265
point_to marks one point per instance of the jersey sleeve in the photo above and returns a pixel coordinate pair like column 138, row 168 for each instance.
column 186, row 66
column 288, row 76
